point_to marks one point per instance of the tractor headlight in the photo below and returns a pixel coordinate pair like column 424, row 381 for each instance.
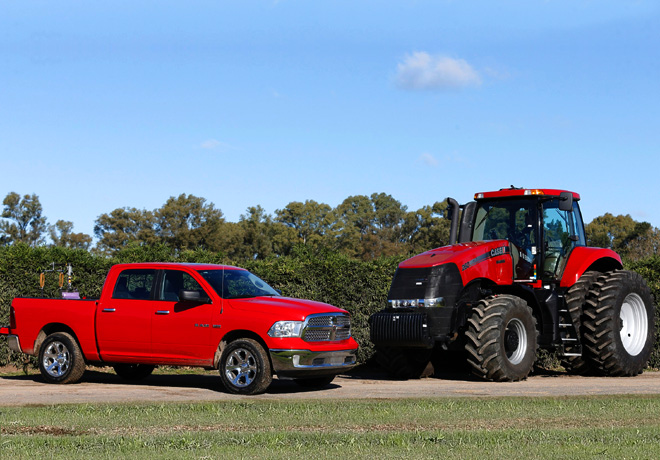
column 286, row 329
column 413, row 303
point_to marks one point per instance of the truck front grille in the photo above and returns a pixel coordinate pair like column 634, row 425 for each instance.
column 327, row 327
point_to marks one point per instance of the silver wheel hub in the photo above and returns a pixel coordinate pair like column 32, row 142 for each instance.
column 56, row 359
column 515, row 341
column 241, row 367
column 634, row 324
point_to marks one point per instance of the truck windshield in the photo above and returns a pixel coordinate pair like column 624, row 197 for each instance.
column 237, row 284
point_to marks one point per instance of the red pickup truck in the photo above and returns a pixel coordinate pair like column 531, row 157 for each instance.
column 210, row 316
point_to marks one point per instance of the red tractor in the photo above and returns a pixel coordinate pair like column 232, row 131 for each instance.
column 517, row 276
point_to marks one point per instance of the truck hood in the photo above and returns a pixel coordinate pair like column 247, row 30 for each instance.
column 293, row 309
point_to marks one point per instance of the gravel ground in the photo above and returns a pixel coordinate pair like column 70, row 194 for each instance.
column 104, row 387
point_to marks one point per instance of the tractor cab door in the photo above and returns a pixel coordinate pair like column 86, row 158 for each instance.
column 562, row 231
column 517, row 222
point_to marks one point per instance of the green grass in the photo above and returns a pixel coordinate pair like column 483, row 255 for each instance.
column 575, row 428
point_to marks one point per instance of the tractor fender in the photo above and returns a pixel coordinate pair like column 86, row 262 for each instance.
column 583, row 258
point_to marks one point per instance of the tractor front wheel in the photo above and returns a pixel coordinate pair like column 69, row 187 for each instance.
column 501, row 339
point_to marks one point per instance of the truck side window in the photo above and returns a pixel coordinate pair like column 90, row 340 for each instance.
column 134, row 284
column 174, row 281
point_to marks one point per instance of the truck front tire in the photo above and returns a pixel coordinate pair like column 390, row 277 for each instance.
column 245, row 368
column 619, row 324
column 60, row 359
column 501, row 339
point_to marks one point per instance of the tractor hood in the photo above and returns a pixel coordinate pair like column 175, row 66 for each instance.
column 480, row 259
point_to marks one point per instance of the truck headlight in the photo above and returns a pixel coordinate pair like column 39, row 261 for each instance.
column 286, row 329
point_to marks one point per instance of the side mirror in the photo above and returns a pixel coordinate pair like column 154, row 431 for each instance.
column 565, row 201
column 193, row 296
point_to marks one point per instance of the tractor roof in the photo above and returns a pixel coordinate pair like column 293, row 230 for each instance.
column 515, row 192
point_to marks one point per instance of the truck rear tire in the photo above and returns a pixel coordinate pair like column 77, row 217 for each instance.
column 133, row 371
column 245, row 368
column 619, row 324
column 60, row 359
column 501, row 339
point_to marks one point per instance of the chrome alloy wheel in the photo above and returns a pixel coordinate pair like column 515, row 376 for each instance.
column 241, row 367
column 634, row 324
column 56, row 359
column 515, row 341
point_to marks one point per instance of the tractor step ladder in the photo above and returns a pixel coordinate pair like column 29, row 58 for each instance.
column 570, row 339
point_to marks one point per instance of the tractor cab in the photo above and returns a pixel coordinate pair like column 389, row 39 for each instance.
column 542, row 227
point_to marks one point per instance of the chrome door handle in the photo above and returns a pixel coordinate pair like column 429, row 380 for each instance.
column 162, row 312
column 108, row 310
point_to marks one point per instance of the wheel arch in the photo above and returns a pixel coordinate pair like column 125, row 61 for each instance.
column 480, row 288
column 583, row 259
column 239, row 334
column 52, row 328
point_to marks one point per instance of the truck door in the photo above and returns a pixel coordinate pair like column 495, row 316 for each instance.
column 181, row 331
column 123, row 322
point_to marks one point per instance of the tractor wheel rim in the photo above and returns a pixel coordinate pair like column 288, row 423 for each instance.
column 634, row 324
column 515, row 341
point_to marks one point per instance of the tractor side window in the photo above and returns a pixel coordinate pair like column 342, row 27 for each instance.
column 562, row 231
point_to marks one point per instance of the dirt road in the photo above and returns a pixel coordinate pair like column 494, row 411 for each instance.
column 98, row 387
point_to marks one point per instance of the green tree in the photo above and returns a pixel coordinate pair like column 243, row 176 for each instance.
column 24, row 220
column 189, row 222
column 369, row 227
column 427, row 228
column 63, row 236
column 631, row 239
column 123, row 226
column 312, row 222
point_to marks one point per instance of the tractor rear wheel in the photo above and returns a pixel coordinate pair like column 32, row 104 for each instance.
column 619, row 324
column 501, row 339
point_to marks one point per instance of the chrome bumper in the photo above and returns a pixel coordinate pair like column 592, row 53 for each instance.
column 304, row 362
column 14, row 344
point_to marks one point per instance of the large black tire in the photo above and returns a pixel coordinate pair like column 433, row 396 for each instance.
column 575, row 301
column 60, row 359
column 133, row 371
column 245, row 368
column 405, row 363
column 619, row 324
column 501, row 339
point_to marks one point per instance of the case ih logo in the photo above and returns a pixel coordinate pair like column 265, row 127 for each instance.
column 496, row 252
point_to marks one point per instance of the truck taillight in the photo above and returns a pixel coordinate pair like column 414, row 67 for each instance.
column 12, row 318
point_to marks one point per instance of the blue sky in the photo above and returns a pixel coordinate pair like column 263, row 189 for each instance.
column 126, row 103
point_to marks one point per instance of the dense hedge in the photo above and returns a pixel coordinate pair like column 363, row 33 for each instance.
column 358, row 286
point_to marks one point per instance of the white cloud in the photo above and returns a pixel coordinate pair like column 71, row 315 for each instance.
column 427, row 159
column 423, row 71
column 213, row 144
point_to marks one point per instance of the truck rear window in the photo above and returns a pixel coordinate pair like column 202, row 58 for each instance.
column 135, row 284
